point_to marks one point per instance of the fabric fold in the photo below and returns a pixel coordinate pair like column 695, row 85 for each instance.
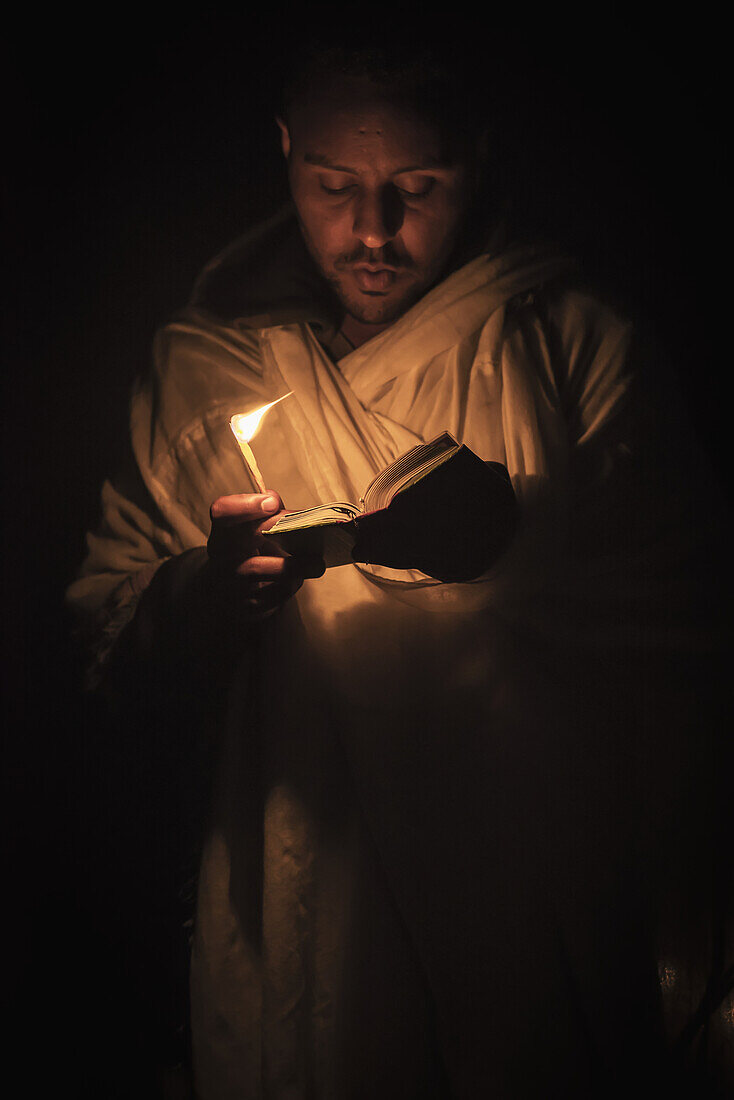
column 421, row 835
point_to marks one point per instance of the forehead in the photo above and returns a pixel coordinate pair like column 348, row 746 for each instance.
column 356, row 121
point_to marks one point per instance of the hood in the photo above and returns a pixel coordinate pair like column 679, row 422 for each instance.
column 265, row 278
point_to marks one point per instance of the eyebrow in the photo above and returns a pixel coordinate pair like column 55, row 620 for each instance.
column 323, row 162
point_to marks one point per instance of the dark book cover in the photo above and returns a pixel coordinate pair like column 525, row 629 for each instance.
column 452, row 523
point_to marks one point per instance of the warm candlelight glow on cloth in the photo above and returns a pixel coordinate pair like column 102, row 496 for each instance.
column 244, row 426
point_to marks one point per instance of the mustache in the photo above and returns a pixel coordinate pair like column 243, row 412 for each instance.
column 386, row 256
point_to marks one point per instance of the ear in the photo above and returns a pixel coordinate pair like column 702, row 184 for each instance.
column 285, row 137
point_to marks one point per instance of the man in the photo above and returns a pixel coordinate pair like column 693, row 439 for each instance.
column 426, row 871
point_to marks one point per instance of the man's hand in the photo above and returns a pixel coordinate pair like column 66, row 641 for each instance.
column 256, row 575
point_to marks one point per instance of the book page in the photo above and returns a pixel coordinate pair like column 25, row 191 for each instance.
column 407, row 470
column 319, row 516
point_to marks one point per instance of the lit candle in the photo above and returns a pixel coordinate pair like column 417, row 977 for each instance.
column 244, row 426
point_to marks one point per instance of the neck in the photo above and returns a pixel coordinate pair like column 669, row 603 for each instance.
column 359, row 332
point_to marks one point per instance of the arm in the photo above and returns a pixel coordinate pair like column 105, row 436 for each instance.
column 152, row 571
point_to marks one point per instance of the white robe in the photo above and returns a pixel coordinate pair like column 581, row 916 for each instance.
column 395, row 899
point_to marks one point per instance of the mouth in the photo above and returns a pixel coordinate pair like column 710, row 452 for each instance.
column 374, row 279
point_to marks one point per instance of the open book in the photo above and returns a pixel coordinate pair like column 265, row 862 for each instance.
column 438, row 508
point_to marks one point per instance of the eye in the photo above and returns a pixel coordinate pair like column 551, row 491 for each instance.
column 335, row 185
column 416, row 189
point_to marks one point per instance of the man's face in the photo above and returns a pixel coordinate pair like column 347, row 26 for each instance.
column 379, row 199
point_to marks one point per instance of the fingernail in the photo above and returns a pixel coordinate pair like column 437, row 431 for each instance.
column 269, row 504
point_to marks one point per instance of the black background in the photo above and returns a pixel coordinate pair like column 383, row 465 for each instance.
column 138, row 148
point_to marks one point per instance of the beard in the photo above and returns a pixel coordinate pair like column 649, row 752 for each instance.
column 377, row 308
column 374, row 309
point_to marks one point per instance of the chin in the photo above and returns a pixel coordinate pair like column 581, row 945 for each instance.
column 375, row 310
column 374, row 314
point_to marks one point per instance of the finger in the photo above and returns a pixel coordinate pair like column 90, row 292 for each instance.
column 242, row 507
column 263, row 568
column 258, row 599
column 261, row 594
column 303, row 567
column 230, row 545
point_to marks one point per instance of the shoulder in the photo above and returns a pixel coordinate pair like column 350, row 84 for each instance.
column 229, row 285
column 198, row 371
column 583, row 343
column 192, row 344
column 266, row 277
column 580, row 317
column 586, row 334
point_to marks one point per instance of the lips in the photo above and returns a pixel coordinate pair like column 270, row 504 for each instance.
column 374, row 280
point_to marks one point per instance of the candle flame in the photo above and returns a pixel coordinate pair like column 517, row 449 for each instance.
column 244, row 425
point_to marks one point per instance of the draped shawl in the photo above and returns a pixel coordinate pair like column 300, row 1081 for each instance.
column 419, row 867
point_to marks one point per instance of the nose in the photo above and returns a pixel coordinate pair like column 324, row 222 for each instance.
column 377, row 217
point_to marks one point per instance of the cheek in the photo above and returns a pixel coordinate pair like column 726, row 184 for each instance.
column 429, row 232
column 328, row 227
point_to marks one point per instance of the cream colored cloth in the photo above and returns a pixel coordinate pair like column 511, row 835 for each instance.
column 406, row 923
column 445, row 364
